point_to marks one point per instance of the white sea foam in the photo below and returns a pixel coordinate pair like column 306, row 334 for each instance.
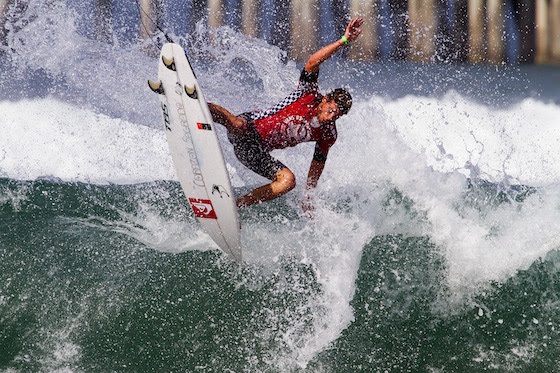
column 50, row 138
column 518, row 143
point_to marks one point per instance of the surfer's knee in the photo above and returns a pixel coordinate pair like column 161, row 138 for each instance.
column 240, row 124
column 286, row 180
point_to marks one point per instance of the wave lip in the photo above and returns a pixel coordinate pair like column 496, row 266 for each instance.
column 50, row 138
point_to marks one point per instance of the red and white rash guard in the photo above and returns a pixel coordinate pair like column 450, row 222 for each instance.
column 294, row 120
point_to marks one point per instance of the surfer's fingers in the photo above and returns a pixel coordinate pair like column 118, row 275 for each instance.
column 356, row 22
column 353, row 29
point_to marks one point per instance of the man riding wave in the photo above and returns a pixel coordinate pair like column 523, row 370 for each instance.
column 305, row 115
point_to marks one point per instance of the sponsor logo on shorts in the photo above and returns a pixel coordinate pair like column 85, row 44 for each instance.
column 203, row 208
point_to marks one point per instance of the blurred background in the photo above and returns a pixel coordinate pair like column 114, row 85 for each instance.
column 440, row 31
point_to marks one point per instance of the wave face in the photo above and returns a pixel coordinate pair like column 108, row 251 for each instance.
column 434, row 246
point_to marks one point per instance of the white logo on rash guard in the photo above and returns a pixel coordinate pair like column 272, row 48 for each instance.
column 296, row 129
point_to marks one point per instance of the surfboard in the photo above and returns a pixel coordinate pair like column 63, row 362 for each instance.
column 195, row 150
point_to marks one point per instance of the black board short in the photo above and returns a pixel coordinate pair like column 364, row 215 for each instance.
column 251, row 151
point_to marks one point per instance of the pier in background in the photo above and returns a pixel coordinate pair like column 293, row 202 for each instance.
column 438, row 31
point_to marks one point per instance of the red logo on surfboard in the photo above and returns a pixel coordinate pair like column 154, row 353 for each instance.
column 204, row 126
column 203, row 208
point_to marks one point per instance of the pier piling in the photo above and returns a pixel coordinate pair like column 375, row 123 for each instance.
column 420, row 30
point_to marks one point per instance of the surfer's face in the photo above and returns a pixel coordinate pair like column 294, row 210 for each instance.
column 327, row 111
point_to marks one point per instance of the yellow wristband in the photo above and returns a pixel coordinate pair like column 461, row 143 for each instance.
column 344, row 39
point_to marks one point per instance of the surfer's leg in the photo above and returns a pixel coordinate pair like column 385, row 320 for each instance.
column 235, row 125
column 284, row 181
column 250, row 151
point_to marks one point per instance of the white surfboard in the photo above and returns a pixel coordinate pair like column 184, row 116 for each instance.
column 195, row 149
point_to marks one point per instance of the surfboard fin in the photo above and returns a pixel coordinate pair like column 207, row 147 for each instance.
column 191, row 92
column 169, row 63
column 157, row 87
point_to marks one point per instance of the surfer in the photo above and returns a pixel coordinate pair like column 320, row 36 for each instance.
column 303, row 116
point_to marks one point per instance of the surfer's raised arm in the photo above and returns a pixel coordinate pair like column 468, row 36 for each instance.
column 335, row 103
column 323, row 54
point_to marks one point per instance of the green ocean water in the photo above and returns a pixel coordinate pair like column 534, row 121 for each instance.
column 81, row 292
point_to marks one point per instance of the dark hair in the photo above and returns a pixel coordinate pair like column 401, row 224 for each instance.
column 342, row 98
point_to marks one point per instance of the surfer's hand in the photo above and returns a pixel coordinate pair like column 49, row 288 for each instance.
column 308, row 206
column 353, row 29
